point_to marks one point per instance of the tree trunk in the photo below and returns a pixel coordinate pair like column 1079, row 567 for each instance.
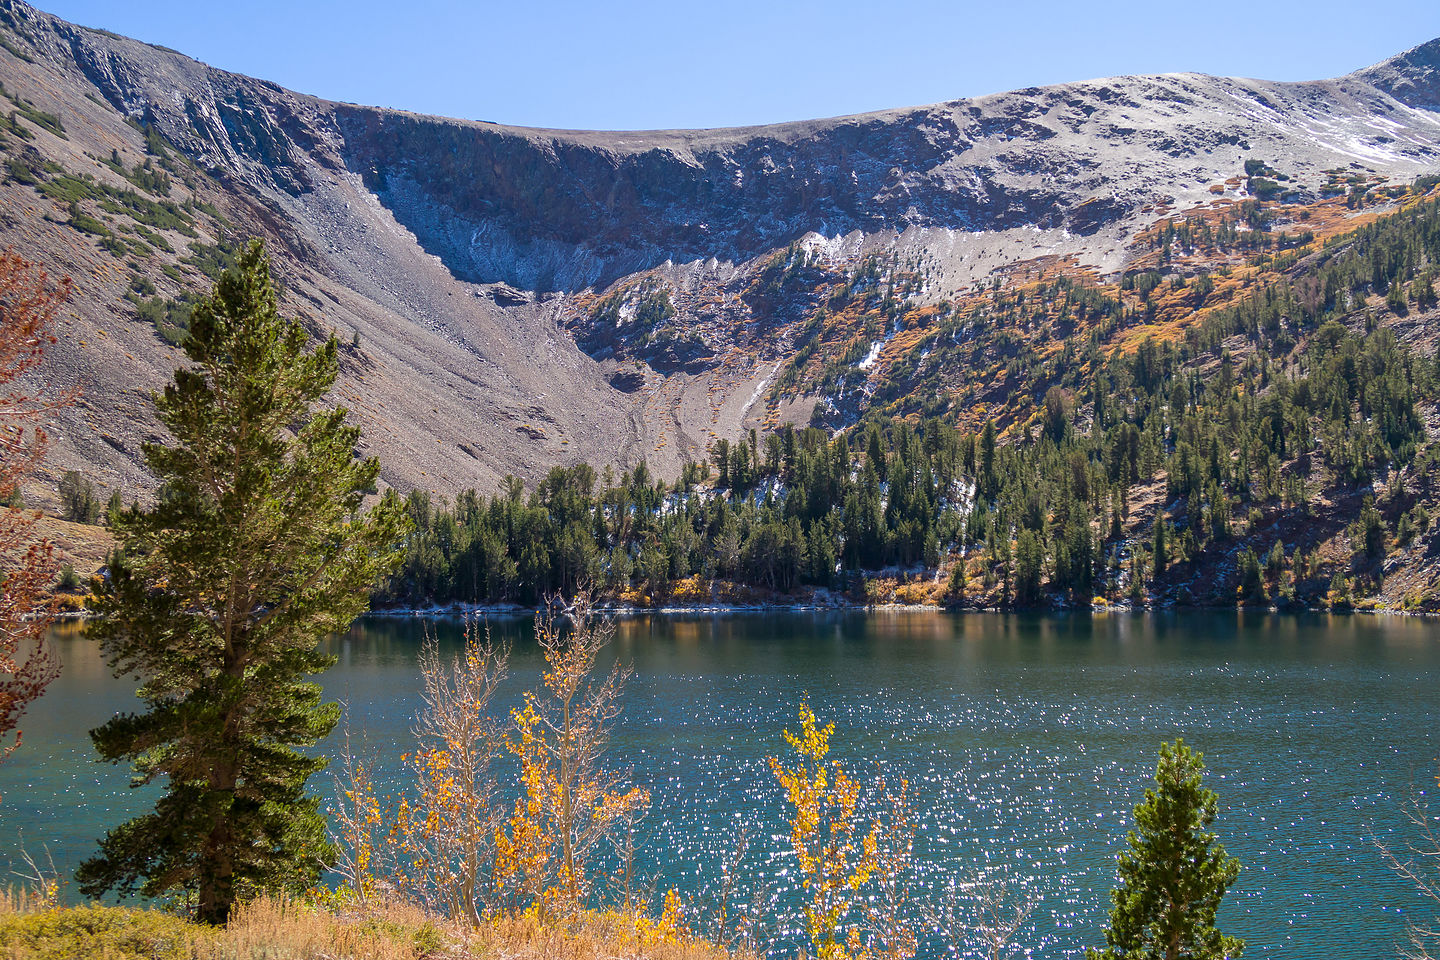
column 567, row 817
column 217, row 870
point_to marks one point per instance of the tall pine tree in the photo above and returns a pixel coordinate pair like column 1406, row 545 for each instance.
column 1175, row 874
column 219, row 598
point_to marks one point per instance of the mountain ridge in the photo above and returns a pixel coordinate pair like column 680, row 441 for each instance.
column 469, row 258
column 1409, row 76
column 675, row 176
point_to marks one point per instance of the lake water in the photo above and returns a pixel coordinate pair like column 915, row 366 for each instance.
column 1027, row 741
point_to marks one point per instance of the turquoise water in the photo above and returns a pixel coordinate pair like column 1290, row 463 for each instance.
column 1027, row 741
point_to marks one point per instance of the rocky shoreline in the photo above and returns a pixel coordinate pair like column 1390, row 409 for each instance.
column 515, row 610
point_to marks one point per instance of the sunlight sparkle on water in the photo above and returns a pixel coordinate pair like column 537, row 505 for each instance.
column 1027, row 742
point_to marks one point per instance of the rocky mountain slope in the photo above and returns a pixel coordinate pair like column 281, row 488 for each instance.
column 516, row 298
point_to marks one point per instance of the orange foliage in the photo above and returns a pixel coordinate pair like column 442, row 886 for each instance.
column 446, row 845
column 27, row 665
column 434, row 846
column 568, row 803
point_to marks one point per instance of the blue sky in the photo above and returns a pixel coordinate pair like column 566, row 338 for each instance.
column 635, row 64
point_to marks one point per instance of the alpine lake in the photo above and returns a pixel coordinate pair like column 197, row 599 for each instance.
column 1026, row 741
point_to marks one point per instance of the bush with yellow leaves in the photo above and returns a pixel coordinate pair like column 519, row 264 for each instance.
column 569, row 802
column 445, row 844
column 857, row 875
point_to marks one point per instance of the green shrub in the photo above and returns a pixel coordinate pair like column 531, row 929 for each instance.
column 69, row 581
column 1264, row 188
column 85, row 223
column 78, row 501
column 28, row 110
column 110, row 932
column 22, row 171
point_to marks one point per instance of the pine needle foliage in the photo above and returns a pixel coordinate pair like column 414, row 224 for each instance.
column 1174, row 874
column 219, row 598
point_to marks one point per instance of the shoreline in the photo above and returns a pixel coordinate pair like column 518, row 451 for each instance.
column 830, row 603
column 516, row 610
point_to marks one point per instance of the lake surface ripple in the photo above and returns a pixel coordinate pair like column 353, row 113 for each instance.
column 1027, row 741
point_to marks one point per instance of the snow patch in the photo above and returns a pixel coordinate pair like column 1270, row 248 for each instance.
column 872, row 356
column 759, row 390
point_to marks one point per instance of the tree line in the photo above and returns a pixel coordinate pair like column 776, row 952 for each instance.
column 1262, row 408
column 1298, row 391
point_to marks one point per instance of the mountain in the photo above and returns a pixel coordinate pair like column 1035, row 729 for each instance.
column 515, row 298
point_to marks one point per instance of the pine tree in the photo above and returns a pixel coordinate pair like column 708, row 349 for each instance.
column 1175, row 874
column 987, row 481
column 959, row 580
column 1161, row 552
column 78, row 501
column 1030, row 562
column 255, row 551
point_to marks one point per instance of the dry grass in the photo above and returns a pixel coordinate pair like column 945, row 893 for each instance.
column 84, row 546
column 607, row 935
column 273, row 929
column 270, row 928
